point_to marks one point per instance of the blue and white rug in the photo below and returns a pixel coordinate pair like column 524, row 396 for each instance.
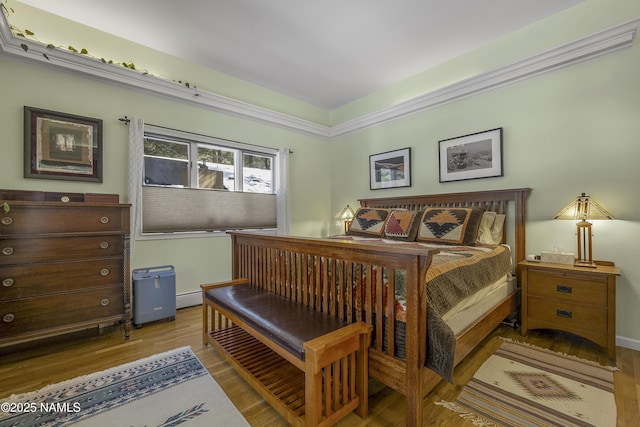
column 166, row 389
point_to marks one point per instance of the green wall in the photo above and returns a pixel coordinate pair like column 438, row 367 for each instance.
column 574, row 130
column 570, row 131
column 197, row 260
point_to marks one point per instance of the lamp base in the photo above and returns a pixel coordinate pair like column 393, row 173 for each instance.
column 585, row 263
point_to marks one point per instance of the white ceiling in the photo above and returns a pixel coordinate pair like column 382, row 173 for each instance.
column 327, row 53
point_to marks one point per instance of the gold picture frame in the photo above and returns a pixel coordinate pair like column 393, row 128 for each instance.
column 62, row 146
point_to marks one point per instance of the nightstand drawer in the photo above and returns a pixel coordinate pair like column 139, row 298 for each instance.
column 563, row 287
column 567, row 313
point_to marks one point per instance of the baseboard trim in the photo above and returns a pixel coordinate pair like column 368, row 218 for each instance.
column 188, row 299
column 628, row 343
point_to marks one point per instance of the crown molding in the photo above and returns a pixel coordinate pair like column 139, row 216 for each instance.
column 584, row 49
column 85, row 65
column 590, row 47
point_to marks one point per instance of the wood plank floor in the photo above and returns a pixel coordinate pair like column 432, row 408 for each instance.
column 30, row 366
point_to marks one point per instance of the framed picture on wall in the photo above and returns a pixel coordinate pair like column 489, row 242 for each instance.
column 477, row 155
column 62, row 146
column 391, row 169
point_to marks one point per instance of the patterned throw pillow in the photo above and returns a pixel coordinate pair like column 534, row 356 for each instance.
column 457, row 226
column 403, row 225
column 369, row 222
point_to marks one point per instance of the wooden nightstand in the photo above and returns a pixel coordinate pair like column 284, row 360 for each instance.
column 580, row 300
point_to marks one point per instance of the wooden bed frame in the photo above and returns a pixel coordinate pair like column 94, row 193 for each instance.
column 338, row 277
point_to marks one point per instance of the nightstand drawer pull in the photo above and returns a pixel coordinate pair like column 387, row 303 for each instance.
column 104, row 245
column 7, row 220
column 8, row 318
column 564, row 313
column 7, row 251
column 564, row 289
column 8, row 282
column 104, row 219
column 105, row 302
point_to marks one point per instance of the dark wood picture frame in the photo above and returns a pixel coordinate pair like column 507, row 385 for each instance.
column 62, row 146
column 473, row 156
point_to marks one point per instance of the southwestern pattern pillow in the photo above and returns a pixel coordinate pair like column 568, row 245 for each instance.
column 403, row 225
column 369, row 222
column 457, row 226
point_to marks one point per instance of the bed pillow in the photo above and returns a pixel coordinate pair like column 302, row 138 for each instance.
column 402, row 225
column 369, row 222
column 454, row 226
column 491, row 228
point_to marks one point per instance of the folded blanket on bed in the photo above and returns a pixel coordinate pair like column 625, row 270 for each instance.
column 449, row 282
column 455, row 273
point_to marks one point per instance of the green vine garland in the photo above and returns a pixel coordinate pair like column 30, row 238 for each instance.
column 28, row 34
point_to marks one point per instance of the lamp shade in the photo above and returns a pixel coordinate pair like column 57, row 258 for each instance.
column 346, row 214
column 583, row 208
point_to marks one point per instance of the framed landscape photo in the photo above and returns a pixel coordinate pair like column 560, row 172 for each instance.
column 478, row 155
column 62, row 146
column 391, row 169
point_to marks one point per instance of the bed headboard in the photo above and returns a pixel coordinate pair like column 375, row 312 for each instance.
column 499, row 201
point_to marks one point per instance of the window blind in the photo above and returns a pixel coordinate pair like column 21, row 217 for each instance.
column 166, row 210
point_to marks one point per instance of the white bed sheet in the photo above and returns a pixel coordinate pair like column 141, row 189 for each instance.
column 470, row 309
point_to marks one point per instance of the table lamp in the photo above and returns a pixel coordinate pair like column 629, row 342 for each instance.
column 346, row 215
column 582, row 209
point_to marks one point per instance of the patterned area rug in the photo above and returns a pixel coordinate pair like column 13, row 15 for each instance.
column 522, row 385
column 163, row 390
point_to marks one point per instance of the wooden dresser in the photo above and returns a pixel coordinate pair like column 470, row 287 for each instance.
column 64, row 263
column 580, row 300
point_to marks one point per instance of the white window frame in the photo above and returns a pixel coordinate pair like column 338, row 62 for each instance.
column 194, row 139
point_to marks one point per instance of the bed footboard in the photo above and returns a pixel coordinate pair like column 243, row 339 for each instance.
column 348, row 280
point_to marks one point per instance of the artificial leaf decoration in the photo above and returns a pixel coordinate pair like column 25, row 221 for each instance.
column 6, row 207
column 84, row 51
column 29, row 33
column 73, row 49
column 50, row 46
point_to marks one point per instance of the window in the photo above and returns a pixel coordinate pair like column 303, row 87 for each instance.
column 192, row 164
column 196, row 183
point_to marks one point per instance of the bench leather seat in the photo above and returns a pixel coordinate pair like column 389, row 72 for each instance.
column 284, row 322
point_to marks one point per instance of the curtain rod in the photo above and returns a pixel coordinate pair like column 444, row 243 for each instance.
column 126, row 120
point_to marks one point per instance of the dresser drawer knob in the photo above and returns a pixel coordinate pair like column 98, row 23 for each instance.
column 564, row 289
column 7, row 251
column 104, row 219
column 104, row 245
column 564, row 313
column 104, row 302
column 8, row 318
column 104, row 272
column 8, row 282
column 7, row 220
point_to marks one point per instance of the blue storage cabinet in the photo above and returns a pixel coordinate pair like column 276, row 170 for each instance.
column 154, row 294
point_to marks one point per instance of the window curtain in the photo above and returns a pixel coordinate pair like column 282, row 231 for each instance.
column 136, row 170
column 282, row 192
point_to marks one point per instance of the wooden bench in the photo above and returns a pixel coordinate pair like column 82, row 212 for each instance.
column 310, row 366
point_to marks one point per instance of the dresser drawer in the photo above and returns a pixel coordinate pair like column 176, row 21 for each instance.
column 40, row 279
column 564, row 287
column 50, row 312
column 33, row 250
column 68, row 219
column 567, row 313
